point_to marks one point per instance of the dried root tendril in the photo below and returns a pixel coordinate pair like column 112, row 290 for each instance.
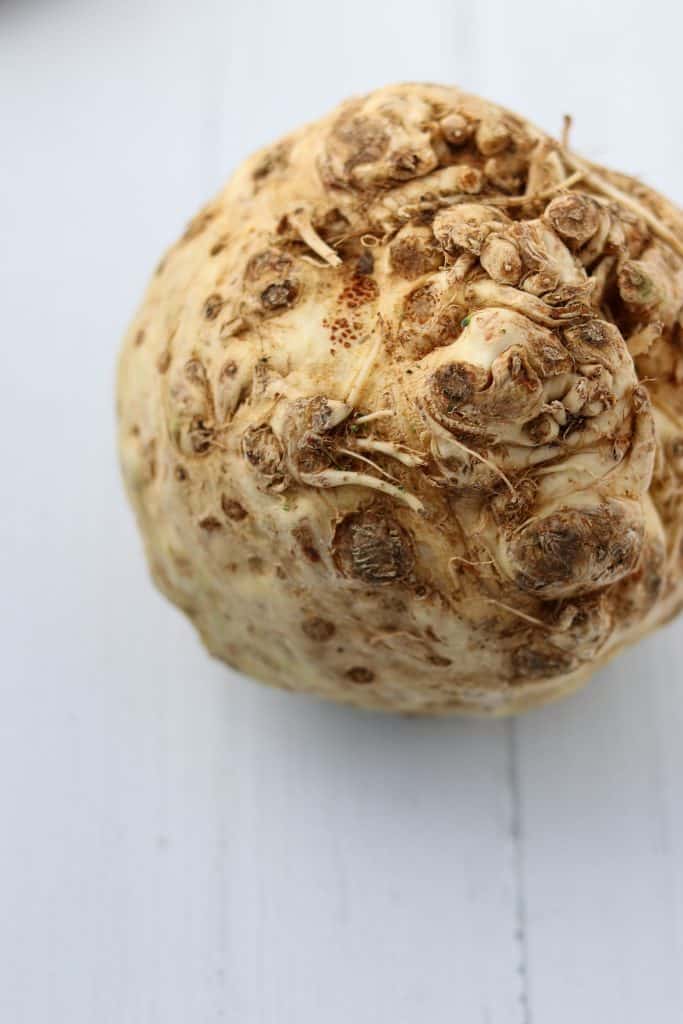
column 487, row 462
column 381, row 638
column 300, row 220
column 600, row 185
column 363, row 373
column 369, row 462
column 521, row 615
column 567, row 123
column 394, row 451
column 369, row 417
column 534, row 197
column 344, row 478
column 232, row 327
column 469, row 561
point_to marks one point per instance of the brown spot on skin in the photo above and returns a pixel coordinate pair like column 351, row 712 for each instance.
column 212, row 306
column 303, row 535
column 279, row 296
column 360, row 290
column 218, row 246
column 255, row 564
column 139, row 337
column 230, row 369
column 150, row 453
column 318, row 629
column 471, row 180
column 195, row 372
column 360, row 675
column 211, row 524
column 275, row 159
column 164, row 361
column 343, row 331
column 180, row 473
column 200, row 437
column 232, row 509
column 438, row 661
column 373, row 547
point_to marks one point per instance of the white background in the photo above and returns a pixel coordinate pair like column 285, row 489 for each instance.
column 179, row 845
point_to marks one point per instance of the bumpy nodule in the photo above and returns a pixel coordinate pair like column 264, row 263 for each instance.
column 401, row 415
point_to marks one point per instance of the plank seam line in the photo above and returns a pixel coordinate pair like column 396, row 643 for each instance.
column 518, row 873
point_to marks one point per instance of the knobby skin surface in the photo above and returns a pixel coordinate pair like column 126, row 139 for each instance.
column 401, row 415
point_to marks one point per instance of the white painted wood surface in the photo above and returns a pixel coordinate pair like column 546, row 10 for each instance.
column 179, row 845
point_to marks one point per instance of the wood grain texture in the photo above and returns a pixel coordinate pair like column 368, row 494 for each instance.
column 182, row 845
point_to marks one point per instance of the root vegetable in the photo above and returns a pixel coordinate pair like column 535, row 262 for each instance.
column 401, row 414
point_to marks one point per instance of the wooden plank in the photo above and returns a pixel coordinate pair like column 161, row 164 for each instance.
column 602, row 843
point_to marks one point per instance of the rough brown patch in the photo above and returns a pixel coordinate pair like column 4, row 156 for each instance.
column 412, row 257
column 275, row 159
column 573, row 551
column 453, row 385
column 232, row 509
column 421, row 304
column 373, row 547
column 211, row 524
column 200, row 436
column 537, row 663
column 195, row 372
column 365, row 139
column 318, row 629
column 212, row 306
column 360, row 675
column 303, row 535
column 279, row 296
column 264, row 452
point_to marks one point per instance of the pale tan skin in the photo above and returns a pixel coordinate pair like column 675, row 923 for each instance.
column 401, row 415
